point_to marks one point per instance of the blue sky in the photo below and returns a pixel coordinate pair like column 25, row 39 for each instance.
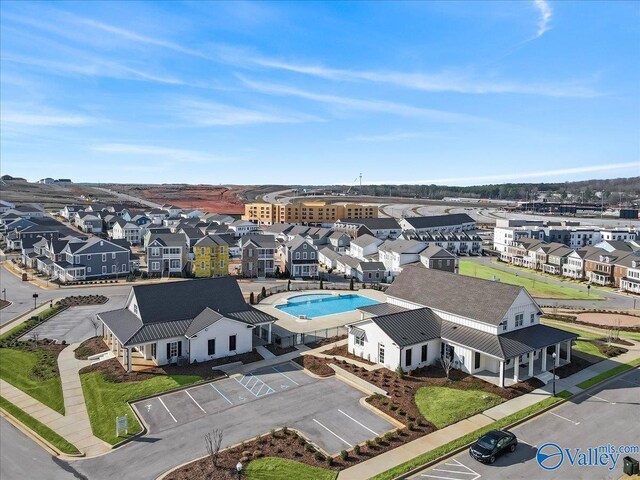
column 316, row 93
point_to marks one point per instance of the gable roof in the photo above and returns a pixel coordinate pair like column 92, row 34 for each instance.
column 168, row 239
column 261, row 241
column 210, row 241
column 366, row 240
column 382, row 223
column 434, row 251
column 439, row 220
column 370, row 266
column 410, row 327
column 403, row 246
column 482, row 300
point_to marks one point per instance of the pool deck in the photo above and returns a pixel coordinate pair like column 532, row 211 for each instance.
column 296, row 325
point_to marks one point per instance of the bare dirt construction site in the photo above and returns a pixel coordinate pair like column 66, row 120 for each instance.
column 609, row 319
column 211, row 198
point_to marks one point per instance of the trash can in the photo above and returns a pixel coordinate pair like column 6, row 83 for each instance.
column 630, row 466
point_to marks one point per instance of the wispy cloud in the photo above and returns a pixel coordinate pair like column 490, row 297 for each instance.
column 545, row 11
column 204, row 114
column 381, row 106
column 389, row 137
column 44, row 119
column 173, row 154
column 456, row 82
column 634, row 167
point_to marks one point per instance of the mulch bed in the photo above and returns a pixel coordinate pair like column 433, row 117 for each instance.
column 114, row 372
column 91, row 346
column 622, row 341
column 249, row 357
column 317, row 365
column 611, row 350
column 79, row 300
column 325, row 341
column 579, row 361
column 401, row 404
column 277, row 351
column 343, row 352
column 288, row 445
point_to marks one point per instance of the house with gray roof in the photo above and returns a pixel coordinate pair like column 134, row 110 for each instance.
column 395, row 254
column 439, row 258
column 384, row 228
column 484, row 328
column 363, row 246
column 456, row 222
column 258, row 255
column 370, row 272
column 184, row 322
column 92, row 259
column 300, row 258
column 167, row 254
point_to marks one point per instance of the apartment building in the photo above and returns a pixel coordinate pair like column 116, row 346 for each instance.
column 316, row 212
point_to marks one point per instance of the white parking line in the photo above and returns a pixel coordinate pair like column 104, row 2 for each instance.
column 286, row 376
column 600, row 398
column 363, row 426
column 258, row 381
column 174, row 418
column 194, row 401
column 333, row 433
column 565, row 418
column 464, row 470
column 221, row 394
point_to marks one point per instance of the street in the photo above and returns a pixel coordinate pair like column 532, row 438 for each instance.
column 605, row 416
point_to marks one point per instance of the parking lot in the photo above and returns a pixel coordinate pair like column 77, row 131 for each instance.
column 335, row 421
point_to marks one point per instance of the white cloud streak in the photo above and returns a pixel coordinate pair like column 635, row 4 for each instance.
column 381, row 106
column 545, row 11
column 173, row 154
column 512, row 177
column 44, row 119
column 389, row 137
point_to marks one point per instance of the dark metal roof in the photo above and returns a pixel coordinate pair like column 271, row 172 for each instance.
column 122, row 323
column 252, row 316
column 410, row 327
column 158, row 331
column 382, row 223
column 203, row 320
column 470, row 337
column 382, row 309
column 358, row 332
column 439, row 220
column 482, row 300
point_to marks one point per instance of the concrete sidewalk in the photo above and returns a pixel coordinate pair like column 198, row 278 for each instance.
column 74, row 426
column 404, row 453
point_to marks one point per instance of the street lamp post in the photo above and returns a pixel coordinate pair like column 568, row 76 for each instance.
column 553, row 355
column 4, row 295
column 35, row 300
column 239, row 469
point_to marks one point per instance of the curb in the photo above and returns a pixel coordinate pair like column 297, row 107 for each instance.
column 398, row 424
column 514, row 424
column 44, row 443
column 27, row 319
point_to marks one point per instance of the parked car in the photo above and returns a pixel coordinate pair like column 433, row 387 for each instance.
column 493, row 444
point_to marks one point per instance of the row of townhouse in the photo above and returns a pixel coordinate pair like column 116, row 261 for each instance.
column 570, row 234
column 609, row 263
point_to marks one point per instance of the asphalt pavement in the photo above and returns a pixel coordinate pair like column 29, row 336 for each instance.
column 605, row 417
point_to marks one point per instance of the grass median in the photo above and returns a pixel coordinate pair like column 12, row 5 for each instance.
column 468, row 438
column 537, row 287
column 107, row 400
column 40, row 428
column 443, row 406
column 609, row 373
column 271, row 468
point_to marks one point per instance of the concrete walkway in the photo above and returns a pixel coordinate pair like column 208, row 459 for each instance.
column 407, row 452
column 74, row 426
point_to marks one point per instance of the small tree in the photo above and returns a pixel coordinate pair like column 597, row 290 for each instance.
column 96, row 324
column 35, row 336
column 251, row 298
column 321, row 284
column 277, row 273
column 288, row 285
column 399, row 372
column 447, row 364
column 351, row 283
column 263, row 292
column 213, row 442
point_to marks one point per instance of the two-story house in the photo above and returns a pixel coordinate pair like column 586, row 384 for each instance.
column 126, row 230
column 258, row 255
column 439, row 258
column 456, row 222
column 364, row 246
column 395, row 254
column 383, row 228
column 631, row 281
column 92, row 259
column 243, row 227
column 211, row 257
column 89, row 222
column 301, row 258
column 166, row 254
column 484, row 328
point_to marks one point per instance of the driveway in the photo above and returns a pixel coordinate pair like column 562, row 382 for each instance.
column 74, row 324
column 327, row 411
column 604, row 416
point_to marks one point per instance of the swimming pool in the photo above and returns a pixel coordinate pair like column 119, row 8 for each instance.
column 321, row 304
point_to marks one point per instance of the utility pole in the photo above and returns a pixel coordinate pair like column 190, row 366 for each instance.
column 360, row 176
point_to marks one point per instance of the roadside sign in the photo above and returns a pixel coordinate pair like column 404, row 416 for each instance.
column 121, row 425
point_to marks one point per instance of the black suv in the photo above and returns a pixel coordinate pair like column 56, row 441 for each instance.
column 493, row 444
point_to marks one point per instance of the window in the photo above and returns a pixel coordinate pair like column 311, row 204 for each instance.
column 533, row 317
column 423, row 356
column 211, row 346
column 113, row 256
column 201, row 250
column 175, row 263
column 407, row 357
column 173, row 349
column 135, row 308
column 297, row 255
column 250, row 252
column 505, row 325
column 88, row 257
column 358, row 340
column 312, row 255
column 113, row 269
column 380, row 353
column 476, row 361
column 519, row 319
column 155, row 265
column 154, row 251
column 104, row 257
column 104, row 269
column 304, row 256
column 232, row 343
column 88, row 269
column 201, row 264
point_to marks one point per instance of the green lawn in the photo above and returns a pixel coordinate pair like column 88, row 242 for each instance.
column 271, row 468
column 587, row 347
column 609, row 373
column 106, row 400
column 443, row 406
column 460, row 442
column 536, row 287
column 17, row 367
column 38, row 427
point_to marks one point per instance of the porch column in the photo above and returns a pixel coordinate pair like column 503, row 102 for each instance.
column 516, row 368
column 569, row 342
column 128, row 352
column 501, row 370
column 269, row 336
column 531, row 364
column 557, row 354
column 544, row 359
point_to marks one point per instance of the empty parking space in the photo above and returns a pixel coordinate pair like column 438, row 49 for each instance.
column 335, row 424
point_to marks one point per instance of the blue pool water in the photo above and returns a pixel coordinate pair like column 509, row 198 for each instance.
column 320, row 304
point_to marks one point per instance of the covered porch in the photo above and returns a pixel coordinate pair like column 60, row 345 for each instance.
column 132, row 358
column 551, row 268
column 630, row 284
column 68, row 272
column 599, row 278
column 262, row 334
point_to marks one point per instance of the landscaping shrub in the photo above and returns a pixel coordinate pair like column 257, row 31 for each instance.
column 319, row 456
column 343, row 454
column 400, row 372
column 309, row 448
column 389, row 436
column 257, row 453
column 356, row 450
column 369, row 443
column 329, row 460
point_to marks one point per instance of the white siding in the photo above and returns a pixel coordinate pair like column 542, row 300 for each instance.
column 221, row 330
column 433, row 354
column 161, row 349
column 524, row 305
column 466, row 322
